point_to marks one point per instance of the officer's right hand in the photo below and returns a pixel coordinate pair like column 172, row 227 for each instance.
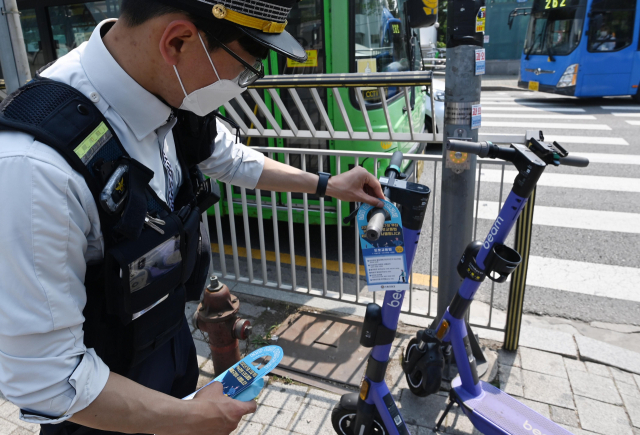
column 218, row 413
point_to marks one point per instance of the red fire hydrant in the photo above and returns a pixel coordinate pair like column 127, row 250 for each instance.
column 217, row 316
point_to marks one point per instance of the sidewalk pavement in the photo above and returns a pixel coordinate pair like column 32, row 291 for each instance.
column 584, row 397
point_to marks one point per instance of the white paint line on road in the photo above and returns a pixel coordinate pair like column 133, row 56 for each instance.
column 559, row 125
column 488, row 98
column 590, row 182
column 626, row 115
column 586, row 140
column 596, row 220
column 633, row 122
column 522, row 103
column 532, row 109
column 616, row 159
column 549, row 116
column 616, row 282
column 619, row 107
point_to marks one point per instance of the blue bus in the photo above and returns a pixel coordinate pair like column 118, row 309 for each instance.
column 584, row 48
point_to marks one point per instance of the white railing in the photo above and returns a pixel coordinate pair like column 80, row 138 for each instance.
column 402, row 80
column 314, row 272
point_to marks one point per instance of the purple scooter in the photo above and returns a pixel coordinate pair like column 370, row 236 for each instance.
column 491, row 411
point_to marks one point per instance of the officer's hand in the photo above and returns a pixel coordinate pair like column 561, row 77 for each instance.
column 357, row 185
column 221, row 414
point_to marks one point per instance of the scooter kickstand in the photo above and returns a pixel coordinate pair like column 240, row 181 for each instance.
column 444, row 415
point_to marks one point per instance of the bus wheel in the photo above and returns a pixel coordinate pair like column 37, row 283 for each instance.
column 636, row 97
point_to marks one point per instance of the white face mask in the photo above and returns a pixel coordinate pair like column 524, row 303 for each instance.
column 205, row 100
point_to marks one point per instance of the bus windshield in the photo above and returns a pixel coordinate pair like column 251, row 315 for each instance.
column 555, row 27
column 379, row 39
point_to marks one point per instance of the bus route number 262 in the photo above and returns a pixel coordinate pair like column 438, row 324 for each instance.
column 555, row 4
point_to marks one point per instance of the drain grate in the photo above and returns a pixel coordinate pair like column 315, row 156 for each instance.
column 323, row 346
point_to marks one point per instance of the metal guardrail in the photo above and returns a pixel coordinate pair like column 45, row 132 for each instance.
column 334, row 82
column 342, row 285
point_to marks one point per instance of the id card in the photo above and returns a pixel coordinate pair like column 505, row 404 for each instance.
column 247, row 374
column 384, row 259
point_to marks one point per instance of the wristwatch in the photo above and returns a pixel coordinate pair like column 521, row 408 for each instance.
column 323, row 180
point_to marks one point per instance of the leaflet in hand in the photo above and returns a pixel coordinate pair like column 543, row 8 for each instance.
column 244, row 380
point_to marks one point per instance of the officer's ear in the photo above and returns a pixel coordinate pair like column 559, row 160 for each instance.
column 179, row 36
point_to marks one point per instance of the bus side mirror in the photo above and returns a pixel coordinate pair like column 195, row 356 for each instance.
column 422, row 13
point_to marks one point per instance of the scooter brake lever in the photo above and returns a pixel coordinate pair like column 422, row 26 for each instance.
column 351, row 216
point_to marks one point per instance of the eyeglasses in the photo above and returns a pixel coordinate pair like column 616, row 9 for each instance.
column 250, row 73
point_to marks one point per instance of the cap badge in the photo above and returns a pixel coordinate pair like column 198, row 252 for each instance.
column 219, row 11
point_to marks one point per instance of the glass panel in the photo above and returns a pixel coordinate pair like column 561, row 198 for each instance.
column 305, row 23
column 611, row 29
column 555, row 31
column 72, row 24
column 32, row 40
column 379, row 42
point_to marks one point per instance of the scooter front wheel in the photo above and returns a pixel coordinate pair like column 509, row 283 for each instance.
column 343, row 420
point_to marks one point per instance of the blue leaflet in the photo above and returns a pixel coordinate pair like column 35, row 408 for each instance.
column 244, row 380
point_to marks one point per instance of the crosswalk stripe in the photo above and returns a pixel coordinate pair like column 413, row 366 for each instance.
column 591, row 182
column 586, row 140
column 532, row 109
column 561, row 217
column 559, row 125
column 522, row 103
column 627, row 115
column 619, row 107
column 617, row 159
column 549, row 116
column 617, row 282
column 633, row 122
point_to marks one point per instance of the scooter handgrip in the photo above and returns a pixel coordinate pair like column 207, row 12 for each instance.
column 374, row 227
column 396, row 160
column 478, row 148
column 570, row 160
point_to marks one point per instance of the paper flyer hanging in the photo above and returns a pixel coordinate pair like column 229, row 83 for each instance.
column 384, row 259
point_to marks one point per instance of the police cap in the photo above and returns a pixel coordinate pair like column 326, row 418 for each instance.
column 262, row 20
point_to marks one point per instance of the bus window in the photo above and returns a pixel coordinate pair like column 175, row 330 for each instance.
column 555, row 27
column 73, row 24
column 611, row 25
column 32, row 40
column 379, row 42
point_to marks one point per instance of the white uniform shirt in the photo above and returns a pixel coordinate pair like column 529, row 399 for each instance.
column 49, row 230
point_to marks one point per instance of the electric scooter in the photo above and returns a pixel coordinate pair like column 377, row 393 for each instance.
column 373, row 410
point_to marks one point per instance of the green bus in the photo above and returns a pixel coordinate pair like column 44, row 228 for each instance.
column 339, row 37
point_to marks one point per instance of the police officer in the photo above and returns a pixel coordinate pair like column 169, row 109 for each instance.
column 74, row 356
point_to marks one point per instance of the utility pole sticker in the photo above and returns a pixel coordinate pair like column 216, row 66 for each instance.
column 481, row 19
column 480, row 62
column 384, row 259
column 476, row 116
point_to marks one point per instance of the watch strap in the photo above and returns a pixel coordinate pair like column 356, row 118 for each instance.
column 323, row 181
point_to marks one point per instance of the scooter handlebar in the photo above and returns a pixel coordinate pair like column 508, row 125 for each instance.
column 396, row 161
column 479, row 148
column 579, row 162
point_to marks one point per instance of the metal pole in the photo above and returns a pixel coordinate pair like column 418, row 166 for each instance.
column 13, row 53
column 462, row 91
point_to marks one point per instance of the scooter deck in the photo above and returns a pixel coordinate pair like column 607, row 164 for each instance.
column 495, row 412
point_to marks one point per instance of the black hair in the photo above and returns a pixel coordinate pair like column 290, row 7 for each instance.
column 137, row 12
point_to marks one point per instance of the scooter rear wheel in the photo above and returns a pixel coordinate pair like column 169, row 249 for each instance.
column 414, row 381
column 343, row 419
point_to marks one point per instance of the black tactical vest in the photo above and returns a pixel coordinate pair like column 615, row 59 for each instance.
column 155, row 259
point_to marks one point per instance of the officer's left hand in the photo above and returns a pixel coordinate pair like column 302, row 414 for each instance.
column 356, row 185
